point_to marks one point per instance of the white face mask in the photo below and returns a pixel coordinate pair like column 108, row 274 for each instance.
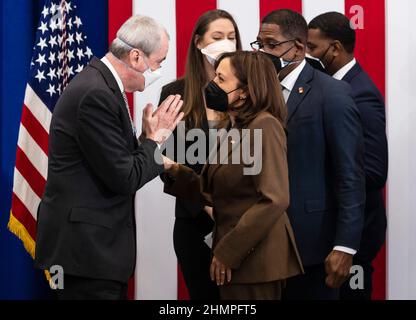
column 150, row 76
column 214, row 50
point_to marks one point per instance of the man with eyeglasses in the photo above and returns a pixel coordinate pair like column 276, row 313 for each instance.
column 325, row 157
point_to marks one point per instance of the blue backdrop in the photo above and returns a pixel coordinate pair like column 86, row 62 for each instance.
column 19, row 21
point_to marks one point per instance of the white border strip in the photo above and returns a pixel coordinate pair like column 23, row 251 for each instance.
column 401, row 115
column 156, row 272
column 313, row 8
column 247, row 15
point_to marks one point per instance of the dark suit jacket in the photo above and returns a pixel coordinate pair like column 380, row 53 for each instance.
column 326, row 166
column 252, row 232
column 86, row 216
column 370, row 103
column 183, row 207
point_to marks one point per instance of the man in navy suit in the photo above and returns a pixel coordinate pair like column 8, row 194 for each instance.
column 332, row 40
column 326, row 161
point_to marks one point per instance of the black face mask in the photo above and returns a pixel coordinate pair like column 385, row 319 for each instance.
column 317, row 62
column 216, row 98
column 278, row 61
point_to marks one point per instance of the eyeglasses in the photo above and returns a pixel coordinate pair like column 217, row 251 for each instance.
column 257, row 45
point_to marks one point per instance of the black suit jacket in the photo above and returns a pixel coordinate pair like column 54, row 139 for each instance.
column 326, row 166
column 86, row 216
column 185, row 208
column 370, row 103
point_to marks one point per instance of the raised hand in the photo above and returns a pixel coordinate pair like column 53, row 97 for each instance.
column 159, row 125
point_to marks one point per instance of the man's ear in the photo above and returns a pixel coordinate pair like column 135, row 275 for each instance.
column 338, row 48
column 134, row 56
column 300, row 48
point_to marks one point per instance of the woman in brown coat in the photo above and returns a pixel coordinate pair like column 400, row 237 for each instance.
column 254, row 249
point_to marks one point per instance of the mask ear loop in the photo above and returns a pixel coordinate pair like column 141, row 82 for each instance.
column 133, row 48
column 231, row 106
column 326, row 52
column 280, row 57
column 233, row 90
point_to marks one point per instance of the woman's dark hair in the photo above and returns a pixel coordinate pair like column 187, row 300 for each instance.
column 256, row 75
column 195, row 73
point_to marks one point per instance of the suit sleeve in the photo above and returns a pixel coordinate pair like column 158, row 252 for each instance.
column 103, row 143
column 372, row 111
column 272, row 187
column 185, row 183
column 344, row 136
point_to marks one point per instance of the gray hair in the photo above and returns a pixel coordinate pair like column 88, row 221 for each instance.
column 138, row 32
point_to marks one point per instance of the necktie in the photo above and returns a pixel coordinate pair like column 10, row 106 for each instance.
column 126, row 102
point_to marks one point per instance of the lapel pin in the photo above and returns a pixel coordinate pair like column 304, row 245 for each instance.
column 301, row 90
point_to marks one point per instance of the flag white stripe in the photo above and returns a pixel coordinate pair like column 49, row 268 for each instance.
column 25, row 193
column 401, row 116
column 313, row 8
column 38, row 108
column 247, row 15
column 32, row 150
column 156, row 272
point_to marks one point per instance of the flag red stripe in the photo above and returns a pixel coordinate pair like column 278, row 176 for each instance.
column 30, row 173
column 371, row 40
column 187, row 13
column 118, row 12
column 266, row 6
column 183, row 293
column 371, row 54
column 35, row 129
column 21, row 213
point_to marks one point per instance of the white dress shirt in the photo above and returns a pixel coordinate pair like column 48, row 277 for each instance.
column 344, row 70
column 287, row 85
column 289, row 81
column 120, row 85
column 113, row 72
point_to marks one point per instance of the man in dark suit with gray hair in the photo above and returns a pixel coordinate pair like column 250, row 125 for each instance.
column 96, row 164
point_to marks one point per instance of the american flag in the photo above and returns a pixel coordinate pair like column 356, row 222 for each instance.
column 157, row 272
column 60, row 52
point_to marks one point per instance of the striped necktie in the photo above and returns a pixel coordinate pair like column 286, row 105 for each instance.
column 126, row 102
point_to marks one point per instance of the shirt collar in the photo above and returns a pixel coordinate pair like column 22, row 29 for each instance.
column 289, row 81
column 344, row 70
column 114, row 73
